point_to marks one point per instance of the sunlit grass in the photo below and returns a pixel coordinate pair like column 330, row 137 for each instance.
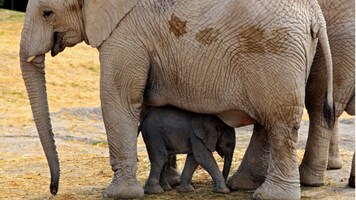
column 72, row 76
column 73, row 81
column 85, row 173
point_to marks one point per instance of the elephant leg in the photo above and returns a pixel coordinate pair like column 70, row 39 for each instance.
column 152, row 185
column 122, row 140
column 163, row 181
column 334, row 159
column 158, row 158
column 171, row 171
column 121, row 95
column 205, row 158
column 352, row 173
column 313, row 167
column 350, row 108
column 189, row 167
column 282, row 180
column 253, row 168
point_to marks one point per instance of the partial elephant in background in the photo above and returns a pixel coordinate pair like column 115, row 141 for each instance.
column 169, row 131
column 340, row 19
column 245, row 61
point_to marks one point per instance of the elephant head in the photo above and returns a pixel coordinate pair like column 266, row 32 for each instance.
column 217, row 136
column 52, row 26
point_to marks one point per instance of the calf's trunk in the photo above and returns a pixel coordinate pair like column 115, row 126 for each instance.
column 227, row 164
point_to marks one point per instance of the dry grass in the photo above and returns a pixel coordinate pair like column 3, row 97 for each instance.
column 85, row 175
column 72, row 76
column 73, row 81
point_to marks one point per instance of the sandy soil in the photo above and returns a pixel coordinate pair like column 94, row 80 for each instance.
column 85, row 169
column 80, row 136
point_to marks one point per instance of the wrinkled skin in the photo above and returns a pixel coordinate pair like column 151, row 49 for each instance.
column 340, row 20
column 244, row 61
column 170, row 131
column 322, row 142
column 170, row 171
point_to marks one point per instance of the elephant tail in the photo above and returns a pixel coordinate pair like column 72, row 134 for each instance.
column 329, row 107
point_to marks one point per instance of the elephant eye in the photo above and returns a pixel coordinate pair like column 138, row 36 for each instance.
column 47, row 12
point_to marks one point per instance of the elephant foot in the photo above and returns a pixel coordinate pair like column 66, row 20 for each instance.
column 221, row 188
column 185, row 188
column 310, row 177
column 273, row 190
column 153, row 188
column 166, row 187
column 172, row 177
column 120, row 188
column 352, row 181
column 244, row 181
column 335, row 162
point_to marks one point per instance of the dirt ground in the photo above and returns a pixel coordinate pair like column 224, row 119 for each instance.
column 73, row 83
column 85, row 169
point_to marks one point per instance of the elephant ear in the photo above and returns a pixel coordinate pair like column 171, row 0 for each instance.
column 102, row 16
column 206, row 132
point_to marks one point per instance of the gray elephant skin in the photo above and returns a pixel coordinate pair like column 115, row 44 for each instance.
column 244, row 61
column 352, row 173
column 169, row 131
column 322, row 144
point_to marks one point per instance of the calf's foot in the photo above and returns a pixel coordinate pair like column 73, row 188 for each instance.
column 153, row 189
column 221, row 188
column 172, row 176
column 186, row 188
column 166, row 187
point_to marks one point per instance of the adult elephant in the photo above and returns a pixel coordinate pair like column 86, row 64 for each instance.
column 245, row 61
column 340, row 19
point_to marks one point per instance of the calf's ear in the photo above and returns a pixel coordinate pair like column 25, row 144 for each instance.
column 206, row 132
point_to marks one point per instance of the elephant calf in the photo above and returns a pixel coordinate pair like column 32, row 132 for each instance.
column 169, row 131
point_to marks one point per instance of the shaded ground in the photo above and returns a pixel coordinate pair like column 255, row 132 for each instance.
column 85, row 169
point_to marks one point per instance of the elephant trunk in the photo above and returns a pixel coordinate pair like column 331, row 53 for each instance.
column 227, row 164
column 33, row 74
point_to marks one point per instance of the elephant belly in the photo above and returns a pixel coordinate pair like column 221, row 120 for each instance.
column 236, row 118
column 178, row 144
column 180, row 151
